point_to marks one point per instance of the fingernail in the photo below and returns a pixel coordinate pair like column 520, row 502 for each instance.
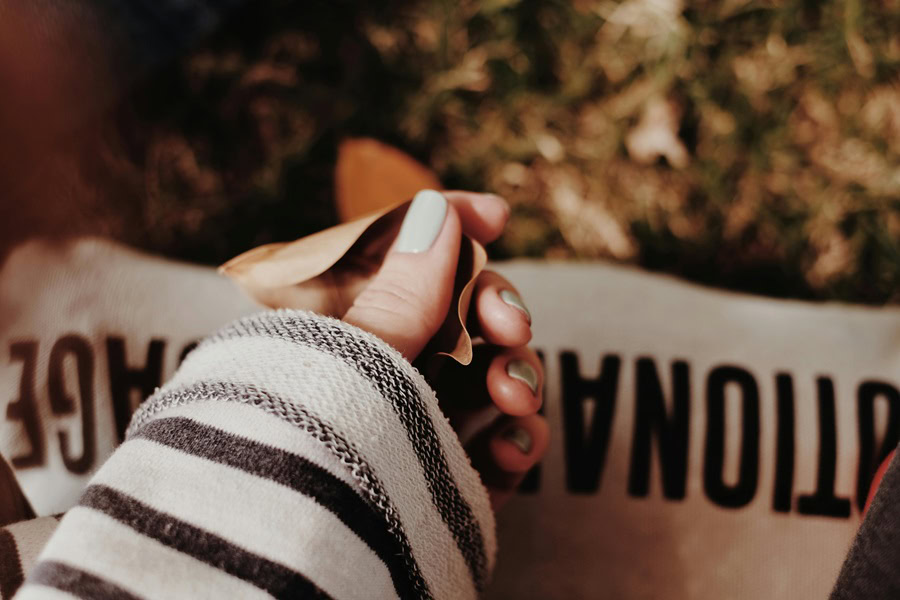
column 520, row 437
column 524, row 372
column 422, row 223
column 514, row 300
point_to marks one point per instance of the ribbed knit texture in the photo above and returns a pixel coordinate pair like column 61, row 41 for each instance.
column 291, row 456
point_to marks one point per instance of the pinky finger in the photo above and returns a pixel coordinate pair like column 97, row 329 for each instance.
column 505, row 452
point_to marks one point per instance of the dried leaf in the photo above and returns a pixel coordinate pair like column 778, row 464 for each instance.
column 325, row 272
column 657, row 135
column 370, row 176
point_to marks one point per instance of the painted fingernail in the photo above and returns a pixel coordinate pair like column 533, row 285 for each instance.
column 520, row 437
column 524, row 372
column 514, row 300
column 422, row 222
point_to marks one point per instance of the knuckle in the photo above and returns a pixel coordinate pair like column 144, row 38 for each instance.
column 397, row 302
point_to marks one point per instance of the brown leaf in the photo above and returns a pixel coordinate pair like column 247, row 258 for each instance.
column 325, row 272
column 371, row 176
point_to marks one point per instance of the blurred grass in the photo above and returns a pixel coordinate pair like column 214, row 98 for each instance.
column 744, row 144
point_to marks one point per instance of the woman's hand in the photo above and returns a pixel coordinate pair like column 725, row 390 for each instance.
column 408, row 300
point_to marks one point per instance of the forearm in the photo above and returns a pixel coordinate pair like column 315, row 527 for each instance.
column 290, row 455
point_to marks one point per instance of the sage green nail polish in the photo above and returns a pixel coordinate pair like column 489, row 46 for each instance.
column 520, row 437
column 524, row 372
column 514, row 300
column 422, row 223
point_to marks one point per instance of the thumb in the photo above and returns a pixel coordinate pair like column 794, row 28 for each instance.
column 408, row 299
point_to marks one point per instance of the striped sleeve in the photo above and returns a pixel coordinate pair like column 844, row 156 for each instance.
column 291, row 456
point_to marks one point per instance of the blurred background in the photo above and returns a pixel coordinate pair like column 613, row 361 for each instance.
column 750, row 145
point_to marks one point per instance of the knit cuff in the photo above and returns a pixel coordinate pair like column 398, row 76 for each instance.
column 373, row 411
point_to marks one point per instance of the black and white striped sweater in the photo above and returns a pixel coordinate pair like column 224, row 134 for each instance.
column 291, row 455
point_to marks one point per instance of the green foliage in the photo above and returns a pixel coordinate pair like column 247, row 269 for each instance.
column 747, row 144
